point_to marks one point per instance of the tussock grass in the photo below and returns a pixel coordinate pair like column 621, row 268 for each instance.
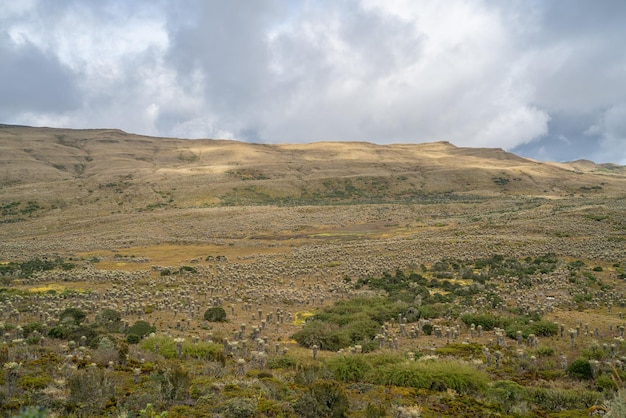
column 434, row 375
column 167, row 348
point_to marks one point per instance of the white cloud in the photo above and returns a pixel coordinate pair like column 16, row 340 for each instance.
column 476, row 73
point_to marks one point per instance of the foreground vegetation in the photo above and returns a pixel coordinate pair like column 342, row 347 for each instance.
column 452, row 338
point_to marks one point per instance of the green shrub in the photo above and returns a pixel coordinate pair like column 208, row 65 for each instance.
column 172, row 381
column 316, row 333
column 240, row 408
column 545, row 351
column 141, row 329
column 281, row 362
column 72, row 316
column 606, row 383
column 382, row 358
column 562, row 399
column 167, row 348
column 203, row 350
column 58, row 332
column 326, row 398
column 543, row 329
column 33, row 326
column 594, row 352
column 351, row 368
column 133, row 339
column 487, row 321
column 436, row 375
column 580, row 369
column 109, row 319
column 92, row 338
column 507, row 393
column 540, row 328
column 215, row 314
column 90, row 389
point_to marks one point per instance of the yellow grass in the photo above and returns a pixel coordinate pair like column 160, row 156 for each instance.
column 77, row 287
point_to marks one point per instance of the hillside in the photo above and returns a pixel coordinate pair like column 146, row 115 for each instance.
column 104, row 187
column 74, row 163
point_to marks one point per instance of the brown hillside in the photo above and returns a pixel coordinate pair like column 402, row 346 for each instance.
column 89, row 187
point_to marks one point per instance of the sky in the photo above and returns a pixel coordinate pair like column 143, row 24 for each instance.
column 545, row 79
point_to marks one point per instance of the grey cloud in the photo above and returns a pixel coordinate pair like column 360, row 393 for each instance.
column 544, row 78
column 226, row 42
column 33, row 81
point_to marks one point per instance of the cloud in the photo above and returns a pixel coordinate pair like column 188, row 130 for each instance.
column 611, row 128
column 33, row 81
column 517, row 75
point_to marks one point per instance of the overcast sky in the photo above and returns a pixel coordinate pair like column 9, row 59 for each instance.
column 542, row 78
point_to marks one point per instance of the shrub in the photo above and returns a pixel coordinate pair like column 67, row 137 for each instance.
column 281, row 362
column 543, row 328
column 141, row 329
column 172, row 381
column 439, row 375
column 580, row 369
column 72, row 316
column 133, row 339
column 33, row 326
column 326, row 398
column 487, row 321
column 91, row 335
column 215, row 314
column 507, row 394
column 240, row 408
column 606, row 383
column 91, row 389
column 315, row 333
column 540, row 328
column 349, row 368
column 57, row 332
column 167, row 348
column 109, row 319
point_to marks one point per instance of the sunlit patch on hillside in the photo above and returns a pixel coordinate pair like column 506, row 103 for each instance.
column 301, row 317
column 54, row 287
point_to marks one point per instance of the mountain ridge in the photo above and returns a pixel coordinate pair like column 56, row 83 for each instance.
column 211, row 170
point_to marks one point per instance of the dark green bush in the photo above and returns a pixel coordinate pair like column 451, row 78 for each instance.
column 109, row 319
column 580, row 369
column 487, row 321
column 215, row 314
column 57, row 332
column 141, row 329
column 91, row 335
column 133, row 339
column 540, row 328
column 72, row 316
